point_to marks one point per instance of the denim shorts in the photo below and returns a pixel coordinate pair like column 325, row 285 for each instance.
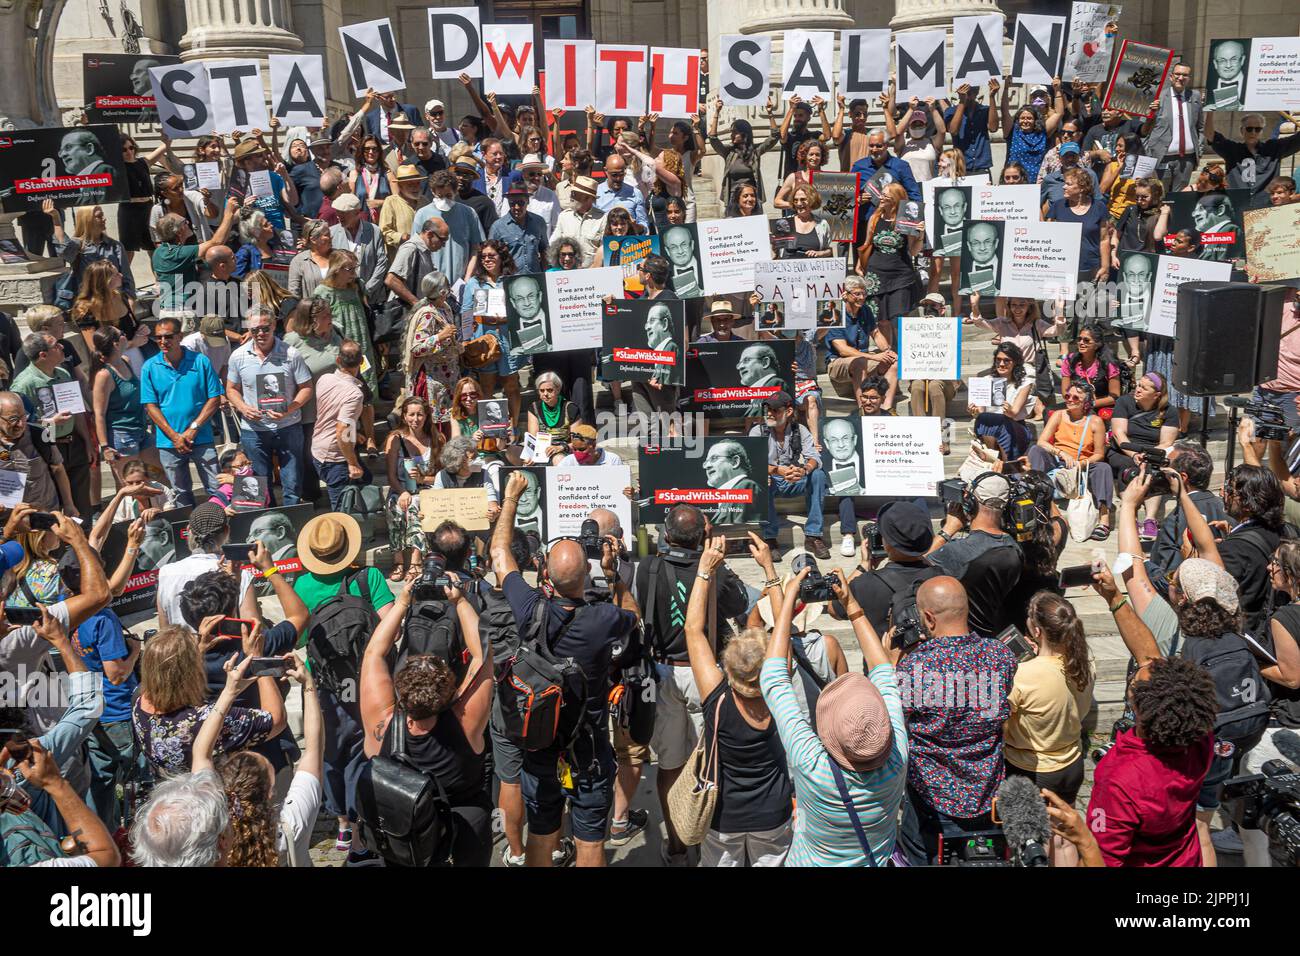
column 590, row 796
column 1220, row 770
column 128, row 443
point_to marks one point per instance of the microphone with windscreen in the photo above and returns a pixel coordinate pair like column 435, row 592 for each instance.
column 1024, row 821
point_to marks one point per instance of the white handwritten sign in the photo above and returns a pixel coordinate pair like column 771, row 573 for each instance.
column 929, row 347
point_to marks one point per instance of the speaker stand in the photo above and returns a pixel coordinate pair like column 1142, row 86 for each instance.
column 1205, row 421
column 1230, row 458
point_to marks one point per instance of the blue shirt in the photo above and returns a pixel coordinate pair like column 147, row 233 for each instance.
column 1090, row 237
column 902, row 173
column 1052, row 187
column 627, row 197
column 972, row 137
column 101, row 638
column 180, row 393
column 465, row 234
column 526, row 242
column 856, row 333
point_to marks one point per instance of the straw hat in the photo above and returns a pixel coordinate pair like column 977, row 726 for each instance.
column 585, row 185
column 329, row 543
column 408, row 172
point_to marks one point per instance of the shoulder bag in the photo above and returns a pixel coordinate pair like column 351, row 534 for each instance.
column 694, row 794
column 1081, row 513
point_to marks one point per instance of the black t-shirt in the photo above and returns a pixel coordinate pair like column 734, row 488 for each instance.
column 790, row 148
column 1143, row 426
column 675, row 578
column 989, row 567
column 278, row 639
column 754, row 791
column 1285, row 705
column 1245, row 555
column 875, row 590
column 595, row 637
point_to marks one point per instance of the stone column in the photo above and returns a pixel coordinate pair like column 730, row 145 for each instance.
column 923, row 14
column 235, row 29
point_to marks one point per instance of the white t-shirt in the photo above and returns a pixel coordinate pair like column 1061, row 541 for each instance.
column 173, row 577
column 298, row 818
column 921, row 156
column 218, row 356
column 23, row 651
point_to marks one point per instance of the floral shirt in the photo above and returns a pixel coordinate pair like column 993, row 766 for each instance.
column 440, row 363
column 168, row 739
column 42, row 577
column 956, row 696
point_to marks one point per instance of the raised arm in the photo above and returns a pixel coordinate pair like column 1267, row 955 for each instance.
column 704, row 665
column 1055, row 109
column 313, row 722
column 473, row 701
column 873, row 650
column 42, row 771
column 503, row 562
column 205, row 741
column 122, row 574
column 94, row 594
column 377, row 695
column 998, row 106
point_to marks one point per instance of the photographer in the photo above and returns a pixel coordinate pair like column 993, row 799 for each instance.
column 1195, row 468
column 794, row 469
column 662, row 582
column 1042, row 550
column 1140, row 418
column 94, row 842
column 596, row 634
column 954, row 762
column 906, row 538
column 1252, row 497
column 987, row 561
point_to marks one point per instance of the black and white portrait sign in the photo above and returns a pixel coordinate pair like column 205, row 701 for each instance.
column 117, row 88
column 681, row 247
column 842, row 456
column 277, row 529
column 724, row 477
column 530, row 512
column 1137, row 282
column 733, row 379
column 644, row 341
column 1215, row 217
column 72, row 165
column 981, row 257
column 530, row 330
column 273, row 391
column 1225, row 77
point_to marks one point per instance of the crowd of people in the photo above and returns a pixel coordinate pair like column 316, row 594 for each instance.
column 502, row 694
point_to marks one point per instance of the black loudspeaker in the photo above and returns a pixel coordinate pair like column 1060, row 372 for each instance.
column 1272, row 299
column 1216, row 349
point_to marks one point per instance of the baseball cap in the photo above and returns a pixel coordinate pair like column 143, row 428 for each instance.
column 905, row 527
column 935, row 299
column 432, row 105
column 1199, row 579
column 993, row 490
column 1069, row 146
column 213, row 330
column 916, row 117
column 779, row 400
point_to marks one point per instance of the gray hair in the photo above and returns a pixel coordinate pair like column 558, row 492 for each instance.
column 456, row 452
column 553, row 253
column 434, row 285
column 878, row 131
column 259, row 312
column 854, row 282
column 36, row 343
column 314, row 228
column 251, row 225
column 330, row 181
column 169, row 226
column 549, row 377
column 182, row 823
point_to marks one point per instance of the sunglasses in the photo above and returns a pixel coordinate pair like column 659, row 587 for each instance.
column 1254, row 129
column 260, row 330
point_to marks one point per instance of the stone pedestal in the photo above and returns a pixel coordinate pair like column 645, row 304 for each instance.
column 24, row 284
column 236, row 29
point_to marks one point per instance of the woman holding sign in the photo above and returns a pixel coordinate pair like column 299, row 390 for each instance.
column 886, row 259
column 1076, row 436
column 811, row 157
column 483, row 297
column 89, row 244
column 412, row 454
column 1012, row 402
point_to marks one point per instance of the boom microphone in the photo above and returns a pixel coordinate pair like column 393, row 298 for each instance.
column 1024, row 821
column 1287, row 743
column 1235, row 401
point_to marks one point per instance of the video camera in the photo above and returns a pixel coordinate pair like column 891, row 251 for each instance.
column 1155, row 459
column 816, row 588
column 1270, row 424
column 1269, row 801
column 591, row 539
column 1019, row 515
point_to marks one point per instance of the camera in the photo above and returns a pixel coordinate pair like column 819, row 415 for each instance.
column 1269, row 801
column 1019, row 515
column 816, row 588
column 1117, row 728
column 907, row 627
column 1155, row 459
column 590, row 538
column 952, row 491
column 1270, row 425
column 871, row 535
column 981, row 848
column 434, row 580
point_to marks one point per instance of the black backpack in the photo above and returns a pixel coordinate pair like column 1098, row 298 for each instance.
column 902, row 607
column 1238, row 685
column 431, row 628
column 402, row 812
column 633, row 698
column 337, row 635
column 542, row 697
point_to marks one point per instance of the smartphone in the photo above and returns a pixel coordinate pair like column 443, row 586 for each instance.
column 41, row 521
column 236, row 553
column 20, row 748
column 22, row 615
column 233, row 626
column 1017, row 643
column 1076, row 577
column 269, row 667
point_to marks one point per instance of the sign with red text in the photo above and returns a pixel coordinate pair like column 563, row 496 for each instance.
column 508, row 54
column 1041, row 260
column 620, row 79
column 901, row 456
column 570, row 73
column 729, row 249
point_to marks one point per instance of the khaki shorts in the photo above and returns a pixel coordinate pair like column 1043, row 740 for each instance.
column 679, row 718
column 628, row 752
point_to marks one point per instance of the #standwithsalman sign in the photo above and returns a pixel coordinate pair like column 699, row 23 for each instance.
column 72, row 165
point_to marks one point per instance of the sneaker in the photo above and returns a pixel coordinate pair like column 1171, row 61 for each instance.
column 620, row 831
column 565, row 853
column 343, row 841
column 364, row 858
column 818, row 548
column 508, row 859
column 1149, row 530
column 848, row 546
column 672, row 859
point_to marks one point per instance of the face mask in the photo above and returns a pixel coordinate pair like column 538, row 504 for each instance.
column 440, row 204
column 585, row 457
column 916, row 131
column 246, row 470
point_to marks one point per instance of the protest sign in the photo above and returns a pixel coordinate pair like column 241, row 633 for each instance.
column 1006, row 203
column 164, row 542
column 781, row 282
column 901, row 455
column 1253, row 73
column 371, row 53
column 72, row 165
column 574, row 492
column 468, row 507
column 180, row 92
column 840, row 194
column 674, row 82
column 982, row 256
column 456, row 45
column 1041, row 259
column 250, row 493
column 731, row 379
column 526, row 322
column 864, row 62
column 530, row 512
column 644, row 340
column 976, row 49
column 508, row 54
column 494, row 417
column 1273, row 243
column 68, row 397
column 570, row 65
column 680, row 245
column 1036, row 49
column 116, row 86
column 957, row 206
column 1138, row 77
column 12, row 484
column 1092, row 32
column 929, row 347
column 259, row 182
column 1173, row 272
column 746, row 63
column 297, row 89
column 1215, row 217
column 627, row 252
column 277, row 529
column 921, row 67
column 573, row 299
column 842, row 456
column 620, row 81
column 1137, row 283
column 728, row 482
column 728, row 250
column 238, row 102
column 806, row 64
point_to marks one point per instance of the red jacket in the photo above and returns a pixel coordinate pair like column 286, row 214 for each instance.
column 1143, row 805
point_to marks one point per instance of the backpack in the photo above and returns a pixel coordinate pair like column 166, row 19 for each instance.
column 366, row 505
column 632, row 699
column 902, row 607
column 431, row 628
column 26, row 840
column 403, row 813
column 1238, row 685
column 337, row 635
column 674, row 603
column 542, row 697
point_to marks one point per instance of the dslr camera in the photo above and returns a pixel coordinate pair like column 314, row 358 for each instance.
column 589, row 536
column 816, row 588
column 1270, row 425
column 433, row 581
column 1124, row 723
column 1269, row 801
column 1156, row 459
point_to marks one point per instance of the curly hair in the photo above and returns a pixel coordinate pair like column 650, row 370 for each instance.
column 253, row 819
column 1253, row 492
column 503, row 253
column 1060, row 624
column 1013, row 351
column 1177, row 705
column 801, row 154
column 424, row 686
column 1205, row 618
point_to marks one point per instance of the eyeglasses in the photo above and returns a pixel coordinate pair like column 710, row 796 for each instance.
column 436, row 113
column 1002, row 360
column 11, row 419
column 1254, row 129
column 164, row 336
column 569, row 254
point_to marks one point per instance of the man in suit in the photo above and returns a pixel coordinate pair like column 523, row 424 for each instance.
column 377, row 120
column 726, row 467
column 1174, row 133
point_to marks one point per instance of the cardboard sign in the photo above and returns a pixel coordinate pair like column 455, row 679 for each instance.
column 1138, row 78
column 728, row 481
column 116, row 86
column 781, row 283
column 72, row 165
column 468, row 507
column 1092, row 34
column 901, row 455
column 929, row 347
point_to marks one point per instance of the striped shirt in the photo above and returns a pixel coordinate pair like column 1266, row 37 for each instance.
column 823, row 832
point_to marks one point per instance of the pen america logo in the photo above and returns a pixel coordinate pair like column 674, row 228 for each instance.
column 1021, row 231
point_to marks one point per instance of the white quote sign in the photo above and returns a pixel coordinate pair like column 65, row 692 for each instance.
column 1173, row 272
column 1041, row 259
column 729, row 249
column 573, row 299
column 572, row 494
column 901, row 456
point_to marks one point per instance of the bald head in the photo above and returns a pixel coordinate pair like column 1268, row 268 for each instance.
column 606, row 520
column 566, row 566
column 943, row 606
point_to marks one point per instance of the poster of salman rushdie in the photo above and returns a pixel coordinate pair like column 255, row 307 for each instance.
column 72, row 165
column 116, row 86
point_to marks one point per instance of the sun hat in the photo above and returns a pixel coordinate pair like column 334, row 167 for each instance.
column 853, row 724
column 329, row 543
